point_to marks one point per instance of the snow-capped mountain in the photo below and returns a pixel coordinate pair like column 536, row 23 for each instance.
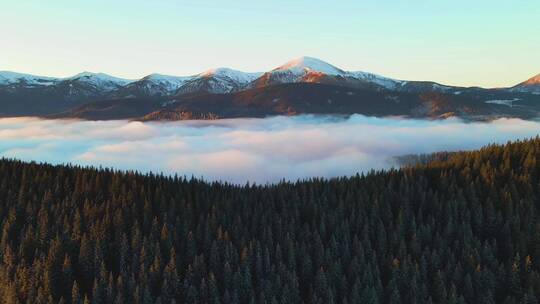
column 531, row 85
column 11, row 78
column 224, row 80
column 153, row 85
column 226, row 73
column 23, row 94
column 313, row 70
column 295, row 81
column 303, row 69
column 99, row 81
column 221, row 80
column 305, row 65
column 87, row 85
column 217, row 81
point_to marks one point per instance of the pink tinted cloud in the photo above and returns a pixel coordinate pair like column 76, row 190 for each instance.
column 240, row 150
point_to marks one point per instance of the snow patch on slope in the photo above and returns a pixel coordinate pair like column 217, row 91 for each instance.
column 99, row 76
column 385, row 82
column 171, row 83
column 99, row 80
column 153, row 85
column 237, row 76
column 7, row 78
column 504, row 102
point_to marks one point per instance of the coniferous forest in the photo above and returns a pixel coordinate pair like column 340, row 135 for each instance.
column 465, row 229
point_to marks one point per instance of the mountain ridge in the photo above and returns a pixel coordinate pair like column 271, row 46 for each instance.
column 283, row 86
column 308, row 63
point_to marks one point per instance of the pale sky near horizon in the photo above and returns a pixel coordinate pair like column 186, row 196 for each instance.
column 459, row 42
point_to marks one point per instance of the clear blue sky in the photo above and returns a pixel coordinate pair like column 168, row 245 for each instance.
column 460, row 42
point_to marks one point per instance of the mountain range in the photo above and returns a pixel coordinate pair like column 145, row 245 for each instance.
column 301, row 86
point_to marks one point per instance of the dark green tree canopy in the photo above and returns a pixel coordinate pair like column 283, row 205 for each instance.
column 463, row 228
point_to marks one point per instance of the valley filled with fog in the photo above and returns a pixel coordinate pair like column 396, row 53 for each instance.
column 255, row 150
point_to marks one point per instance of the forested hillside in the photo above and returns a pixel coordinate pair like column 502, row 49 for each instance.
column 462, row 230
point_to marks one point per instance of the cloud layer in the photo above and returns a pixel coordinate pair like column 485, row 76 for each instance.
column 256, row 150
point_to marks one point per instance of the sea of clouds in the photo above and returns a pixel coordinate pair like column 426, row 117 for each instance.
column 255, row 150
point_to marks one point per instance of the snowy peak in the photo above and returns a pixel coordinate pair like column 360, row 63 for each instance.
column 237, row 76
column 312, row 70
column 98, row 77
column 8, row 78
column 217, row 81
column 300, row 70
column 225, row 80
column 309, row 64
column 99, row 81
column 153, row 85
column 173, row 82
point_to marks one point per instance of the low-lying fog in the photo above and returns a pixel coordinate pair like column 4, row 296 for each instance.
column 256, row 150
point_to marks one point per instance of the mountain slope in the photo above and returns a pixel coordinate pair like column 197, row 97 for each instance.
column 312, row 98
column 152, row 85
column 99, row 81
column 531, row 85
column 121, row 108
column 8, row 78
column 312, row 70
column 23, row 94
column 216, row 81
